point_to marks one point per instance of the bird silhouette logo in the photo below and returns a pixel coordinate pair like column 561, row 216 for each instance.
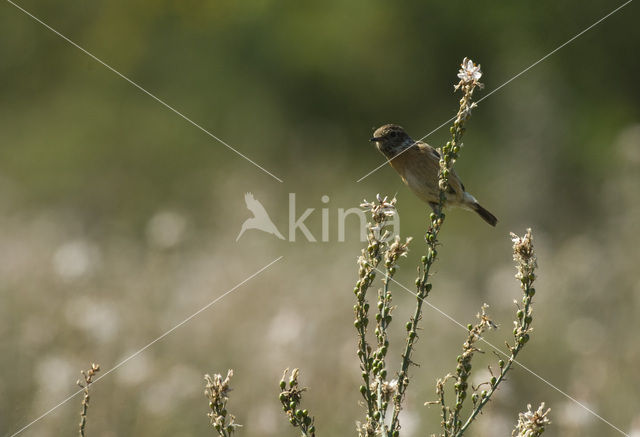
column 260, row 219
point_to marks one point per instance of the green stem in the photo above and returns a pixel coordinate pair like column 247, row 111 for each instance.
column 362, row 315
column 483, row 401
column 444, row 414
column 366, row 374
column 423, row 291
column 382, row 336
column 523, row 329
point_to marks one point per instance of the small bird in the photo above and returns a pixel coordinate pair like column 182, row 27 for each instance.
column 418, row 165
column 260, row 219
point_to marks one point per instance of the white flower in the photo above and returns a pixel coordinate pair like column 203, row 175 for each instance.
column 380, row 210
column 532, row 423
column 469, row 74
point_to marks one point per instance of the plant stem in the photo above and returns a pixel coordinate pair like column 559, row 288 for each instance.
column 525, row 257
column 382, row 339
column 423, row 291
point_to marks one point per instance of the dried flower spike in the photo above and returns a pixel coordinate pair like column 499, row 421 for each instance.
column 87, row 376
column 290, row 397
column 217, row 391
column 532, row 423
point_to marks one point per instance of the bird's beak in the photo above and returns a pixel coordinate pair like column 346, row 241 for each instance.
column 374, row 139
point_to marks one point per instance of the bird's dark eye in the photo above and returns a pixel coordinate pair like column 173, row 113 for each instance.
column 393, row 134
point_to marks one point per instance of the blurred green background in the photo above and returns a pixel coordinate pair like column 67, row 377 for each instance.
column 118, row 219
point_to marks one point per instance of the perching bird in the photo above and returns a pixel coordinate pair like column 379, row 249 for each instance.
column 418, row 164
column 260, row 219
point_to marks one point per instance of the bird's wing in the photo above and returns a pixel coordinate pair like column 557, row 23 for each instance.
column 423, row 162
column 455, row 184
column 424, row 148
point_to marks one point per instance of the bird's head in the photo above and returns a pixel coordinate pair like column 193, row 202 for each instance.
column 391, row 139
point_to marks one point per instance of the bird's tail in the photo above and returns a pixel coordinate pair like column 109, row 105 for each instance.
column 486, row 215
